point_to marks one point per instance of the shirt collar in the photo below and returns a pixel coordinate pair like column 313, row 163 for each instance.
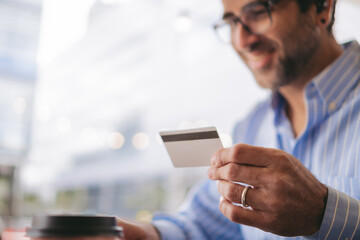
column 335, row 82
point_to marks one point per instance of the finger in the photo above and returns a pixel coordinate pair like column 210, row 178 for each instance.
column 131, row 228
column 233, row 193
column 238, row 173
column 243, row 154
column 241, row 215
column 128, row 225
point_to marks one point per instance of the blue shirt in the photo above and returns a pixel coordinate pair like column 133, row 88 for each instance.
column 329, row 147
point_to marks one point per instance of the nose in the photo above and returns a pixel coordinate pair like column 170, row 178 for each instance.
column 242, row 38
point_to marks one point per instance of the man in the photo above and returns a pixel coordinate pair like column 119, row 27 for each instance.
column 298, row 153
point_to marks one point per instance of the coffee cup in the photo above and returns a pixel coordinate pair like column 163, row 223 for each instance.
column 74, row 227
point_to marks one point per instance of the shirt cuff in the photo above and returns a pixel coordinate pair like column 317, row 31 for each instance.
column 168, row 230
column 341, row 217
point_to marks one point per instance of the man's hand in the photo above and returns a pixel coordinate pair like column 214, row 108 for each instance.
column 138, row 231
column 286, row 199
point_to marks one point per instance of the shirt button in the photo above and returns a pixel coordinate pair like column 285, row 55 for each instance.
column 332, row 106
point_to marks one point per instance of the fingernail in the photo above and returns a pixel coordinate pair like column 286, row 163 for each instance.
column 221, row 198
column 210, row 173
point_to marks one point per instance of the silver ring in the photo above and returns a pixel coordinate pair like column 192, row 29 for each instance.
column 243, row 196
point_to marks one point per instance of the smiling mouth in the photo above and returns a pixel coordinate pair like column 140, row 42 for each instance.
column 260, row 60
column 260, row 54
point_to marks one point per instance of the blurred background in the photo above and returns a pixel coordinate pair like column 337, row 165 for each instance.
column 85, row 87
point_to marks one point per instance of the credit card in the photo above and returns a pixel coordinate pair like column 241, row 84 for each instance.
column 191, row 147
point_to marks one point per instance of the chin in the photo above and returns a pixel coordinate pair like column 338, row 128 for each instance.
column 266, row 81
column 264, row 84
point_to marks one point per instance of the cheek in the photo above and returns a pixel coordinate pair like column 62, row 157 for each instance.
column 280, row 33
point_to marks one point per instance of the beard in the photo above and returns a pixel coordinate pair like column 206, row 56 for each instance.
column 299, row 47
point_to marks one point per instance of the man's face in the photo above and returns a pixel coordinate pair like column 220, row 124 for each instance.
column 280, row 55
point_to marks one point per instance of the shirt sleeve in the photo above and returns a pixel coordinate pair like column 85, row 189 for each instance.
column 341, row 218
column 198, row 218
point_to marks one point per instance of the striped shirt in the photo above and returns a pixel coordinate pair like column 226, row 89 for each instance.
column 329, row 147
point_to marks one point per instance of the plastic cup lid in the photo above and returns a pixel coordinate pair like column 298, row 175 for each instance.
column 73, row 225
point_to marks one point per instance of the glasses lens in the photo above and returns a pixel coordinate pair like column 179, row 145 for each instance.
column 223, row 30
column 257, row 18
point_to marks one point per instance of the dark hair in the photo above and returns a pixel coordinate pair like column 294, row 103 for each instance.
column 320, row 5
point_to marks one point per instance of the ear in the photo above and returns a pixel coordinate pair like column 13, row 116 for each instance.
column 325, row 13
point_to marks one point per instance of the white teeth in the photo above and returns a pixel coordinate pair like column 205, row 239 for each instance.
column 257, row 58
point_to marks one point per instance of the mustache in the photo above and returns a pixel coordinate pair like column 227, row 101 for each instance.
column 262, row 45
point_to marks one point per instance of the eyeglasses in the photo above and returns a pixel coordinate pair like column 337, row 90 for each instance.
column 254, row 17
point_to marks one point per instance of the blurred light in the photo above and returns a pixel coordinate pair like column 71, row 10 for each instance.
column 110, row 2
column 89, row 135
column 59, row 33
column 183, row 24
column 116, row 140
column 200, row 123
column 140, row 141
column 63, row 124
column 43, row 113
column 19, row 105
column 12, row 141
column 158, row 139
column 226, row 139
column 185, row 125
